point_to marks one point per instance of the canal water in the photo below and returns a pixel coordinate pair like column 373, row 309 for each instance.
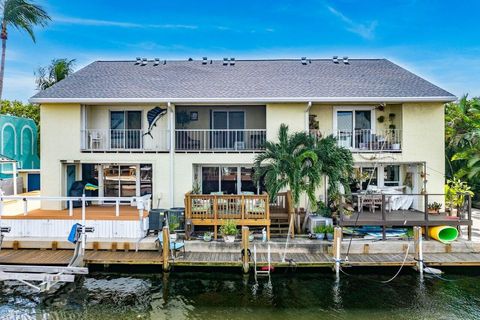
column 229, row 295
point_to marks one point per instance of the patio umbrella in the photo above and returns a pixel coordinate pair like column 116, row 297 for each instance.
column 152, row 118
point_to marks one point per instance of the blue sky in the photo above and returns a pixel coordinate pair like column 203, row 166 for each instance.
column 438, row 40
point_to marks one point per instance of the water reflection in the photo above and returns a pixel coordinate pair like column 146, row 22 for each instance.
column 182, row 295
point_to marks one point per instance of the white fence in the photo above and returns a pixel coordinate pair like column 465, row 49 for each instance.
column 51, row 227
column 220, row 139
column 125, row 140
column 367, row 139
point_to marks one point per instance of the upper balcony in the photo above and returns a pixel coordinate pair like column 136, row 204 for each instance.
column 220, row 129
column 197, row 129
column 122, row 129
column 360, row 128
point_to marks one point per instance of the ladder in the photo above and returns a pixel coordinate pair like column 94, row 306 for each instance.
column 43, row 278
column 260, row 272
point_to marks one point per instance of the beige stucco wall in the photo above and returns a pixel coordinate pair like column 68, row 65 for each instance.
column 292, row 114
column 422, row 126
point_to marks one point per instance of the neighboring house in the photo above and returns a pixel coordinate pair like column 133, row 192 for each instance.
column 94, row 123
column 19, row 142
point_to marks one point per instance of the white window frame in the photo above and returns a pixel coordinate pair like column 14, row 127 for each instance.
column 336, row 109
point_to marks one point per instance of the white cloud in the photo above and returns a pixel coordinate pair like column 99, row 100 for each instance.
column 120, row 24
column 366, row 31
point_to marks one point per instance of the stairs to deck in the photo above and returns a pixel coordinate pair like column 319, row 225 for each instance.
column 278, row 224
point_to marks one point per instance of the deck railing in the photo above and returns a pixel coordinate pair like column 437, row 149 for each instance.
column 124, row 140
column 143, row 204
column 211, row 210
column 379, row 211
column 220, row 139
column 367, row 140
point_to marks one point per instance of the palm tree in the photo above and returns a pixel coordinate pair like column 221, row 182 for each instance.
column 23, row 15
column 289, row 163
column 58, row 70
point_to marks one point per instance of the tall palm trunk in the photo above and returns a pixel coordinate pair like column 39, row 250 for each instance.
column 3, row 36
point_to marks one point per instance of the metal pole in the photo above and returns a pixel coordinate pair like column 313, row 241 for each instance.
column 14, row 167
column 83, row 223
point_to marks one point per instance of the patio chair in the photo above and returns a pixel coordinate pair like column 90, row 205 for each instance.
column 372, row 201
column 175, row 245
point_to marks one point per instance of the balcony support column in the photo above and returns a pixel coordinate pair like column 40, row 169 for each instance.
column 171, row 130
column 307, row 115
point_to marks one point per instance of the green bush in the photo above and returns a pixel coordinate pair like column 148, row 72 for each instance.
column 229, row 228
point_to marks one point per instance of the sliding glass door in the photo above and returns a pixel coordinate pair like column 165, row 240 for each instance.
column 228, row 180
column 125, row 129
column 354, row 128
column 228, row 129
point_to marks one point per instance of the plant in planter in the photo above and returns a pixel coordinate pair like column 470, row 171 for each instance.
column 207, row 236
column 229, row 230
column 434, row 207
column 381, row 119
column 329, row 232
column 173, row 225
column 196, row 188
column 323, row 210
column 319, row 231
column 455, row 192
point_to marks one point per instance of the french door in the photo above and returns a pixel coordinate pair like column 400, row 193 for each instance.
column 125, row 129
column 228, row 129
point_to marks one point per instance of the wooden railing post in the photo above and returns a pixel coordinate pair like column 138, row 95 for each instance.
column 245, row 250
column 215, row 217
column 426, row 215
column 166, row 249
column 242, row 208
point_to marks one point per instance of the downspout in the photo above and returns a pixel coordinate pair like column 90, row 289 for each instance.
column 307, row 113
column 171, row 128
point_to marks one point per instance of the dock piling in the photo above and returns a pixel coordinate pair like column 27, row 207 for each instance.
column 417, row 235
column 166, row 249
column 337, row 246
column 245, row 250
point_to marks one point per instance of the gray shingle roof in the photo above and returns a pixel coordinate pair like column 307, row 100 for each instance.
column 248, row 79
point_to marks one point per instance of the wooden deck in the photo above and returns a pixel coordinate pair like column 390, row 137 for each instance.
column 401, row 218
column 95, row 212
column 231, row 259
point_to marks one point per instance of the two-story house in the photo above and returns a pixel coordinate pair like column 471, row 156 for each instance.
column 101, row 123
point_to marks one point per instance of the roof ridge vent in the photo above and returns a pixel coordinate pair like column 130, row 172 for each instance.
column 225, row 61
column 144, row 61
column 204, row 60
column 156, row 62
column 138, row 61
column 232, row 61
column 335, row 59
column 345, row 60
column 304, row 60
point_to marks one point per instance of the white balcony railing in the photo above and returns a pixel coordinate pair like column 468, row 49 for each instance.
column 124, row 140
column 367, row 139
column 220, row 139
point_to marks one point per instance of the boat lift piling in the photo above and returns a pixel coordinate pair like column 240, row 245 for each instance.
column 245, row 249
column 337, row 249
column 166, row 249
column 417, row 236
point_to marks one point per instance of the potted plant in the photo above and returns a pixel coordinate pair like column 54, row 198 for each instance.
column 381, row 119
column 229, row 230
column 173, row 225
column 207, row 236
column 455, row 192
column 434, row 207
column 329, row 232
column 319, row 232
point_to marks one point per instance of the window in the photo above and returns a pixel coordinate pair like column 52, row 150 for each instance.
column 391, row 175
